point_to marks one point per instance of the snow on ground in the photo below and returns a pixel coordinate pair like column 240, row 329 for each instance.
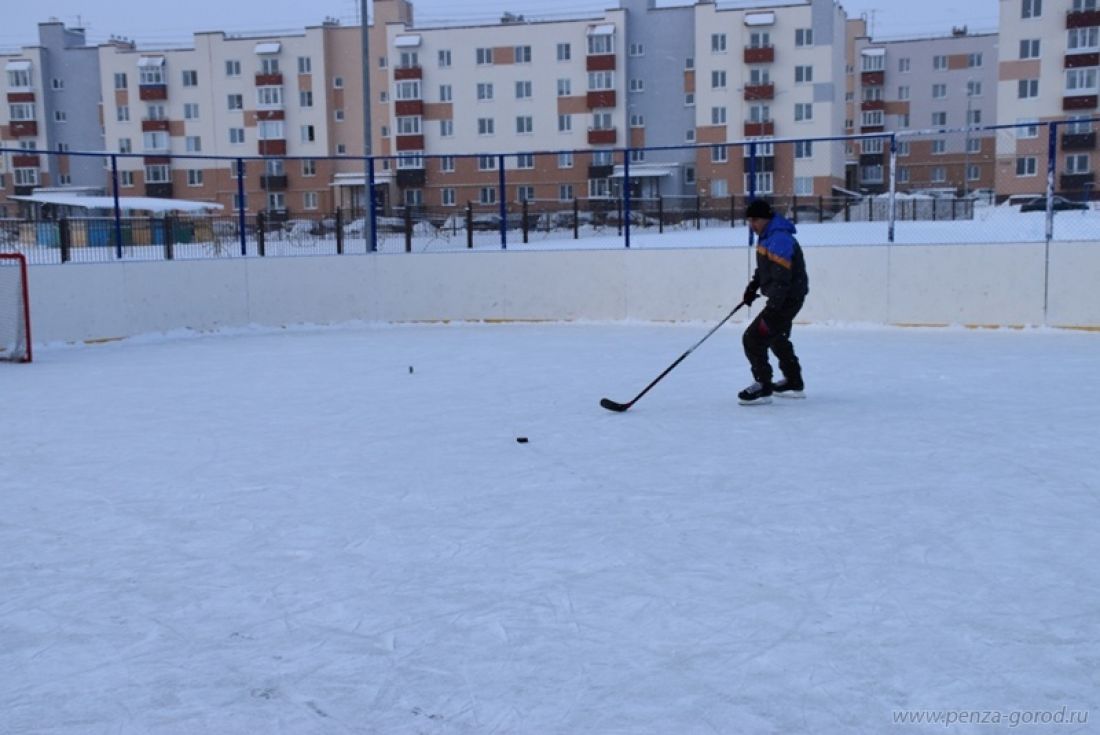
column 287, row 531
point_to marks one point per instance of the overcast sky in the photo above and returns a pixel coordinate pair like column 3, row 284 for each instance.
column 150, row 23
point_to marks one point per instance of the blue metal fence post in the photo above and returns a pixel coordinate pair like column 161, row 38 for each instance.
column 893, row 184
column 241, row 206
column 371, row 208
column 118, row 209
column 503, row 203
column 752, row 180
column 626, row 196
column 1052, row 157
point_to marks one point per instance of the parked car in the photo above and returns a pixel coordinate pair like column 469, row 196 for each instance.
column 1059, row 204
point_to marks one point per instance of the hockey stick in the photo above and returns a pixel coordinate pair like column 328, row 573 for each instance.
column 620, row 407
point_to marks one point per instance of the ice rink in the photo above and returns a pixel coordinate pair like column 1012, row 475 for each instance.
column 288, row 531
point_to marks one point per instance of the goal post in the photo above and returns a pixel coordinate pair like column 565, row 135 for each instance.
column 15, row 309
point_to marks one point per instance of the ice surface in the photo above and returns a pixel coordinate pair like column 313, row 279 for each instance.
column 287, row 531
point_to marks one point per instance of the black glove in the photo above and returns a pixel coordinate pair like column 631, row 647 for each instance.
column 750, row 295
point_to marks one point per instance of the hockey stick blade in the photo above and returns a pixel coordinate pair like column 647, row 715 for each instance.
column 611, row 405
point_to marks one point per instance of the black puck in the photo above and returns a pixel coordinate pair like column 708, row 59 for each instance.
column 521, row 439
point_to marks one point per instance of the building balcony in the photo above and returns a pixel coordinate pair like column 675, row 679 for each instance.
column 407, row 72
column 18, row 97
column 153, row 92
column 759, row 129
column 765, row 55
column 150, row 126
column 604, row 98
column 872, row 78
column 408, row 108
column 160, row 190
column 872, row 105
column 1082, row 18
column 870, row 159
column 155, row 160
column 1079, row 141
column 24, row 128
column 24, row 160
column 600, row 62
column 269, row 80
column 270, row 114
column 23, row 191
column 273, row 182
column 1077, row 182
column 601, row 172
column 410, row 142
column 274, row 147
column 1079, row 102
column 1077, row 61
column 411, row 177
column 759, row 92
column 602, row 136
column 872, row 129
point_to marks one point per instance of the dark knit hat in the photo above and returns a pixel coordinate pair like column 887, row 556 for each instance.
column 759, row 208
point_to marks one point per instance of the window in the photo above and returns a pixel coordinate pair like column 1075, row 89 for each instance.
column 565, row 123
column 1081, row 81
column 689, row 63
column 446, row 128
column 269, row 97
column 525, row 161
column 125, row 145
column 1027, row 166
column 973, row 145
column 939, row 119
column 190, row 78
column 689, row 135
column 57, row 83
column 487, row 195
column 872, row 94
column 871, row 145
column 60, row 116
column 407, row 89
column 873, row 62
column 383, row 62
column 637, row 85
column 409, row 125
column 973, row 117
column 904, row 65
column 760, row 113
column 939, row 174
column 903, row 120
column 1077, row 163
column 158, row 174
column 127, row 178
column 308, row 135
column 637, row 155
column 191, row 111
column 637, row 49
column 804, row 149
column 903, row 148
column 803, row 74
column 1031, row 8
column 718, row 43
column 601, row 121
column 525, row 125
column 565, row 87
column 447, row 164
column 871, row 174
column 565, row 52
column 599, row 189
column 305, row 99
column 804, row 37
column 689, row 175
column 939, row 91
column 20, row 111
column 601, row 80
column 444, row 58
column 25, row 177
column 484, row 56
column 193, row 144
column 523, row 54
column 309, row 167
column 757, row 76
column 194, row 177
column 689, row 99
column 637, row 120
column 871, row 119
column 565, row 192
column 760, row 39
column 337, row 82
column 234, row 102
column 903, row 92
column 338, row 115
column 803, row 185
column 765, row 183
column 939, row 147
column 276, row 201
column 973, row 89
column 1083, row 39
column 155, row 140
column 410, row 160
column 484, row 91
column 1078, row 125
column 903, row 174
column 1027, row 88
column 445, row 93
column 1029, row 48
column 939, row 62
column 803, row 111
column 565, row 160
column 1079, row 5
column 341, row 149
column 122, row 114
column 271, row 130
column 232, row 68
column 717, row 80
column 120, row 80
column 447, row 196
column 719, row 154
column 601, row 44
column 485, row 126
column 718, row 116
column 523, row 90
column 525, row 193
column 269, row 65
column 305, row 65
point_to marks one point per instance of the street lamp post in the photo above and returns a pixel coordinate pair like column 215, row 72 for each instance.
column 368, row 193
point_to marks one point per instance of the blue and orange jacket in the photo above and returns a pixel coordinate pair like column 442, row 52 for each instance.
column 780, row 268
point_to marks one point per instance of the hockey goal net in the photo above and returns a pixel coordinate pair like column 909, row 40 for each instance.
column 15, row 313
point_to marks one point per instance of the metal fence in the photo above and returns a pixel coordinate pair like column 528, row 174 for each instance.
column 1028, row 182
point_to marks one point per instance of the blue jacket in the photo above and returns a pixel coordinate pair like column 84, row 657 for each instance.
column 780, row 267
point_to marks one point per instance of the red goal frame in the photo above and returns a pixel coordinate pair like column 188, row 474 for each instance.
column 22, row 261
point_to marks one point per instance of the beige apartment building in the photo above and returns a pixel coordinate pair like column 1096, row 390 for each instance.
column 1049, row 62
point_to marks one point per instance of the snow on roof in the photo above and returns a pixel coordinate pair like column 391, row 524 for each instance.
column 603, row 29
column 760, row 19
column 151, row 61
column 873, row 52
column 18, row 65
column 407, row 41
column 147, row 204
column 270, row 47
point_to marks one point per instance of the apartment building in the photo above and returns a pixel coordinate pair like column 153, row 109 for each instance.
column 1049, row 66
column 50, row 104
column 926, row 84
column 767, row 73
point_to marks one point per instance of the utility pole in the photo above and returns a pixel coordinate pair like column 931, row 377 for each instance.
column 368, row 195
